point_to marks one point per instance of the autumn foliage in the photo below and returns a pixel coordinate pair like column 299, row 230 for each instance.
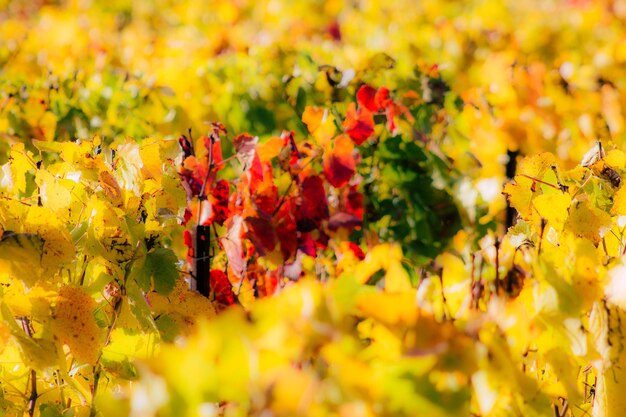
column 312, row 208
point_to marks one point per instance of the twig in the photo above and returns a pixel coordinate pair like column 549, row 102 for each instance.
column 497, row 278
column 98, row 367
column 556, row 187
column 32, row 399
column 283, row 198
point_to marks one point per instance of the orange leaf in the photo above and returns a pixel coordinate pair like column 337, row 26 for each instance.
column 359, row 124
column 339, row 165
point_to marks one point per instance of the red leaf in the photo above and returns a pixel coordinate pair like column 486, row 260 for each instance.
column 306, row 244
column 353, row 203
column 186, row 146
column 233, row 246
column 245, row 145
column 358, row 252
column 359, row 124
column 255, row 171
column 294, row 153
column 220, row 193
column 339, row 164
column 214, row 149
column 382, row 99
column 286, row 232
column 365, row 97
column 313, row 207
column 264, row 192
column 267, row 283
column 188, row 239
column 346, row 220
column 187, row 216
column 261, row 233
column 221, row 287
column 334, row 31
column 192, row 175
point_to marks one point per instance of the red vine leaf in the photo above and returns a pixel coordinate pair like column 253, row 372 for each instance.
column 339, row 164
column 261, row 233
column 233, row 246
column 222, row 289
column 359, row 124
column 366, row 97
column 245, row 146
column 346, row 220
column 313, row 205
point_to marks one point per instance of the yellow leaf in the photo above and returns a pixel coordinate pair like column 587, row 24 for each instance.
column 616, row 159
column 619, row 202
column 54, row 194
column 588, row 222
column 21, row 163
column 110, row 187
column 321, row 124
column 586, row 277
column 20, row 256
column 293, row 391
column 58, row 248
column 537, row 165
column 270, row 149
column 113, row 242
column 5, row 333
column 520, row 195
column 73, row 324
column 389, row 309
column 397, row 279
column 554, row 208
column 37, row 353
column 185, row 306
column 381, row 257
column 151, row 158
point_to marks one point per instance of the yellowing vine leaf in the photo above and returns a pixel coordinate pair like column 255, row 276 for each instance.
column 109, row 237
column 151, row 158
column 185, row 306
column 553, row 207
column 588, row 222
column 110, row 187
column 520, row 195
column 58, row 248
column 537, row 165
column 55, row 193
column 73, row 324
column 619, row 202
column 21, row 163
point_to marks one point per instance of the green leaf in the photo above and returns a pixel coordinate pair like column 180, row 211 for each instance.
column 50, row 410
column 168, row 328
column 300, row 101
column 159, row 271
